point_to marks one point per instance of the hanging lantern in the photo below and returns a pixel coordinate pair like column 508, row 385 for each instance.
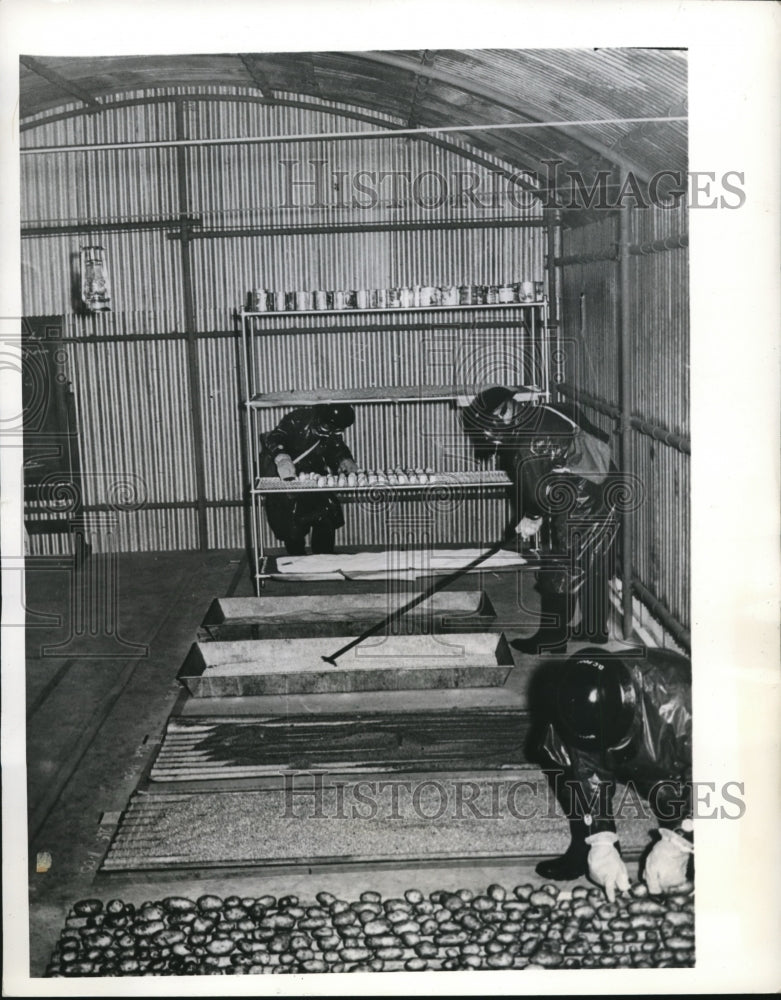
column 95, row 290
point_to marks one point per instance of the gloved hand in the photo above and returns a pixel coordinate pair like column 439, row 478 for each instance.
column 347, row 465
column 665, row 866
column 528, row 526
column 605, row 866
column 285, row 466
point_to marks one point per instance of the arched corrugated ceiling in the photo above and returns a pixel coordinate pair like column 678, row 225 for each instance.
column 431, row 88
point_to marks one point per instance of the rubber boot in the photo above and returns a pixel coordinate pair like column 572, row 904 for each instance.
column 573, row 863
column 323, row 538
column 552, row 635
column 295, row 545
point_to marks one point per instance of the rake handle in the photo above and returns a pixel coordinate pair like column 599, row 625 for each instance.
column 423, row 596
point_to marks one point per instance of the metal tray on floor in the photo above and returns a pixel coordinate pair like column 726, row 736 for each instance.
column 329, row 615
column 248, row 667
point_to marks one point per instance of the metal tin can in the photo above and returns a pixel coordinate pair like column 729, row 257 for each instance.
column 338, row 300
column 394, row 298
column 506, row 293
column 526, row 291
column 425, row 295
column 259, row 300
column 479, row 295
column 349, row 300
column 539, row 291
column 448, row 295
column 380, row 298
column 491, row 295
column 361, row 298
column 321, row 300
column 465, row 295
column 405, row 297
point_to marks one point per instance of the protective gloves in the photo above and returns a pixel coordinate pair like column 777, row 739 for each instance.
column 285, row 466
column 665, row 867
column 528, row 526
column 605, row 866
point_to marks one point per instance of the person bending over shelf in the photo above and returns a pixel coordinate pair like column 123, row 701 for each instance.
column 308, row 439
column 561, row 469
column 598, row 718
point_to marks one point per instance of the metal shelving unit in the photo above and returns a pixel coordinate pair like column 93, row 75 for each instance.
column 531, row 318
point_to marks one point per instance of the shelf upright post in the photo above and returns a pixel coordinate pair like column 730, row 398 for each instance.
column 625, row 359
column 552, row 325
column 251, row 446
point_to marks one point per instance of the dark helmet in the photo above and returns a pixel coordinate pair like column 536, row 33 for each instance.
column 595, row 701
column 480, row 418
column 332, row 418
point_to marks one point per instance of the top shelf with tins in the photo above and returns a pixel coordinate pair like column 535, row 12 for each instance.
column 272, row 314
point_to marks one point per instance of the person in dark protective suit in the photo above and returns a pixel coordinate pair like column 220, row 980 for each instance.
column 308, row 439
column 564, row 477
column 599, row 718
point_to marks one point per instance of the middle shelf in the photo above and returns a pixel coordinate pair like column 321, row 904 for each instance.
column 435, row 480
column 463, row 394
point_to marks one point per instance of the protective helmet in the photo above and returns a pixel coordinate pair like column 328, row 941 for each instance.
column 595, row 701
column 480, row 418
column 333, row 417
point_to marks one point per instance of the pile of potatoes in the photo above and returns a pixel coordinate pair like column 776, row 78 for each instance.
column 530, row 928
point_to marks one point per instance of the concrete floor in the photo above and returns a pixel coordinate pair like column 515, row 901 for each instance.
column 104, row 645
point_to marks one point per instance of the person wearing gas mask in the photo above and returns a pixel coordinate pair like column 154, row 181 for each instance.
column 308, row 439
column 600, row 718
column 562, row 472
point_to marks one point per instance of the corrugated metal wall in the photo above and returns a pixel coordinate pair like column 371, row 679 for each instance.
column 138, row 371
column 658, row 359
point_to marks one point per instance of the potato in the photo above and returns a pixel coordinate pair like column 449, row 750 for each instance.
column 355, row 954
column 312, row 923
column 679, row 943
column 382, row 941
column 390, row 953
column 642, row 922
column 376, row 927
column 444, row 940
column 548, row 959
column 149, row 929
column 87, row 907
column 646, row 907
column 219, row 946
column 167, row 938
